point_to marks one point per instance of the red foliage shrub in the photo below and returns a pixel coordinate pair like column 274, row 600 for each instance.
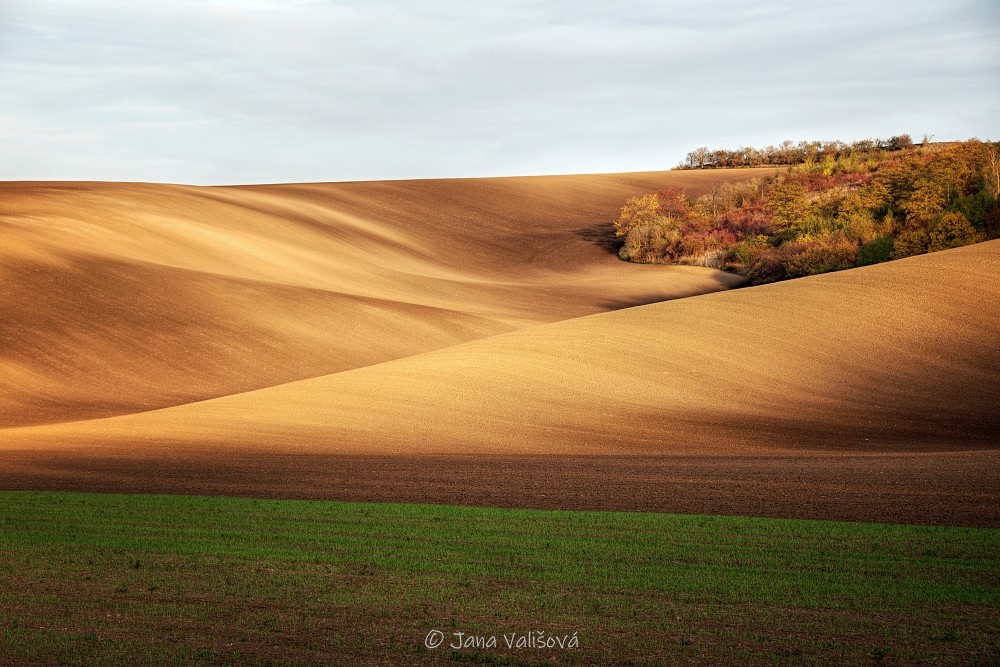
column 764, row 265
column 748, row 221
column 674, row 203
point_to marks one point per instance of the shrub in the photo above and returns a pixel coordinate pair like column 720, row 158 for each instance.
column 859, row 226
column 673, row 203
column 738, row 256
column 974, row 207
column 991, row 222
column 822, row 256
column 651, row 242
column 810, row 227
column 878, row 250
column 764, row 265
column 910, row 242
column 730, row 197
column 951, row 231
column 751, row 220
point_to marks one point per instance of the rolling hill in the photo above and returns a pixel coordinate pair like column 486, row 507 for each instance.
column 126, row 297
column 889, row 355
column 469, row 341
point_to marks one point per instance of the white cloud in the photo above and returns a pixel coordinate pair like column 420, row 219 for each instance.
column 228, row 91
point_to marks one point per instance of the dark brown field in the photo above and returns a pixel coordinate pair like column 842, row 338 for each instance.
column 471, row 342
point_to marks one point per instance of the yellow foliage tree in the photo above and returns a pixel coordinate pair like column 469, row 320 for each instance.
column 952, row 231
column 788, row 203
column 925, row 202
column 910, row 242
column 637, row 211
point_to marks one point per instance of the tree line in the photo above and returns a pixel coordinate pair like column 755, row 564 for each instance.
column 789, row 153
column 845, row 209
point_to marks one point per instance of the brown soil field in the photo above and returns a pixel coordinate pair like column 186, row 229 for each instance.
column 471, row 341
column 121, row 297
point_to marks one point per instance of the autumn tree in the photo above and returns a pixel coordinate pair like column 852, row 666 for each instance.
column 843, row 205
column 925, row 202
column 637, row 211
column 787, row 203
column 993, row 167
column 951, row 231
column 674, row 203
column 910, row 242
column 899, row 142
column 873, row 198
column 699, row 157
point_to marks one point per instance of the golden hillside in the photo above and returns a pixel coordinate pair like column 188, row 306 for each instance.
column 127, row 297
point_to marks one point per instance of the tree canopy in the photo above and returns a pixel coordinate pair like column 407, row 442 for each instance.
column 838, row 206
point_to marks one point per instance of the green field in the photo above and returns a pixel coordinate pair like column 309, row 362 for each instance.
column 135, row 579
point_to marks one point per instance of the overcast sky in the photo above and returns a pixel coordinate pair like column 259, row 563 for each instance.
column 238, row 91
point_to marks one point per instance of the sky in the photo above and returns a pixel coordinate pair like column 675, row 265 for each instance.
column 251, row 91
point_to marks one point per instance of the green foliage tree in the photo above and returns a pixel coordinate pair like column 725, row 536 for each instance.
column 879, row 249
column 991, row 222
column 974, row 207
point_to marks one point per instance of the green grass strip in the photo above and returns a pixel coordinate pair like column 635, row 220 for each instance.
column 637, row 584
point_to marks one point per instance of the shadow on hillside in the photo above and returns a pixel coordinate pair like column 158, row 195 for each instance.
column 601, row 235
column 639, row 300
column 653, row 297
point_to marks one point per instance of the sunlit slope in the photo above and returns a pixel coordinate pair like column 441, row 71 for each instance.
column 899, row 354
column 125, row 297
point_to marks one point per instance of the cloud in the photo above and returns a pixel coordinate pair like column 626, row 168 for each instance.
column 276, row 91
